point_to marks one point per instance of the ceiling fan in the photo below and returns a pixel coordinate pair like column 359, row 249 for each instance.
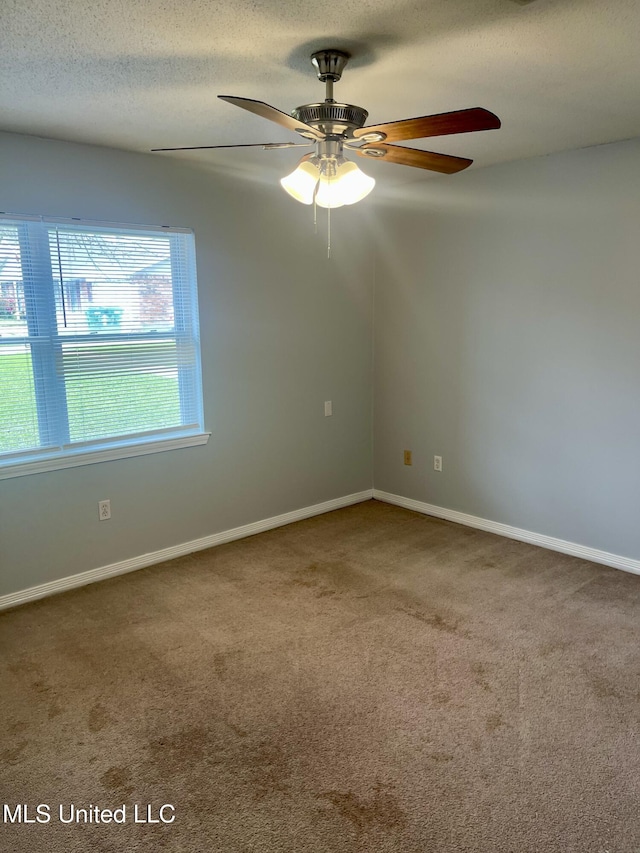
column 326, row 177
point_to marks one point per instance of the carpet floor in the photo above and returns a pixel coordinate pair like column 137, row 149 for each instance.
column 366, row 680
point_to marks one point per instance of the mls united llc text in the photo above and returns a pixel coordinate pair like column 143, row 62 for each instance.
column 70, row 813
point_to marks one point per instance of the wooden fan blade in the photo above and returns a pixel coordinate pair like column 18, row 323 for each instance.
column 271, row 113
column 414, row 157
column 444, row 124
column 268, row 146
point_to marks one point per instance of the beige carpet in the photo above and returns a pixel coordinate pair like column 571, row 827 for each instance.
column 368, row 680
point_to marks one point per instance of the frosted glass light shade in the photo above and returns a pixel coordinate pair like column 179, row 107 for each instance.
column 329, row 194
column 347, row 186
column 354, row 184
column 301, row 183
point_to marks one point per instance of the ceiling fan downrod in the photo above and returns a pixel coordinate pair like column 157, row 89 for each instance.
column 329, row 64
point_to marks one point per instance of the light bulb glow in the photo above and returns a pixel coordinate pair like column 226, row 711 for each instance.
column 301, row 183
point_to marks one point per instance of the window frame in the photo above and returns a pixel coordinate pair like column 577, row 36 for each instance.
column 45, row 344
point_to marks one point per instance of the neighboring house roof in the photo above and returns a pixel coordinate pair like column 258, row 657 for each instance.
column 161, row 267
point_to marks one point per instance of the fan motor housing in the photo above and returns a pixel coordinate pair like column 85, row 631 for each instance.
column 331, row 118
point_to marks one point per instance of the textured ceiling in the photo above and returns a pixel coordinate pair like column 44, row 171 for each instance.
column 139, row 74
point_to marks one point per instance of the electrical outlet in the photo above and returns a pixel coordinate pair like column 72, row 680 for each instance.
column 104, row 510
column 328, row 408
column 437, row 463
column 407, row 458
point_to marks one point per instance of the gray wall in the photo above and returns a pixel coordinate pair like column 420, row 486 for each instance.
column 507, row 312
column 283, row 330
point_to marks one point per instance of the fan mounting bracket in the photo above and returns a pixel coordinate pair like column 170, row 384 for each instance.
column 373, row 152
column 374, row 136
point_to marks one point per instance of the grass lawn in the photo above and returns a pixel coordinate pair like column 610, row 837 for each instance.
column 18, row 418
column 103, row 401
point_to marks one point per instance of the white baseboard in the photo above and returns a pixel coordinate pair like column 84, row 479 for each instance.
column 626, row 564
column 13, row 599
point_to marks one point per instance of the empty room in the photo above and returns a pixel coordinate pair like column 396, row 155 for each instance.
column 320, row 469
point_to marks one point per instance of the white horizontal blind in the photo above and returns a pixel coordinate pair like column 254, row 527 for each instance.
column 99, row 338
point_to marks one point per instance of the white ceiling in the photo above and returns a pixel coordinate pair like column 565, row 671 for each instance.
column 140, row 74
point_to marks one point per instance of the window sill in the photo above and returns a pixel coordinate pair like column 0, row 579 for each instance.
column 77, row 458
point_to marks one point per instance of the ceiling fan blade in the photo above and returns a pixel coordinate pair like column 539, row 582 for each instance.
column 444, row 163
column 268, row 146
column 444, row 124
column 271, row 113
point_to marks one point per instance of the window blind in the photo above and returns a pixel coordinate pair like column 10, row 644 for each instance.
column 99, row 339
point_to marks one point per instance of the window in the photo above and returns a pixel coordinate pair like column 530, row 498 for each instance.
column 99, row 343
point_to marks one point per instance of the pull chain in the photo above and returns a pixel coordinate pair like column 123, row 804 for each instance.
column 330, row 178
column 315, row 219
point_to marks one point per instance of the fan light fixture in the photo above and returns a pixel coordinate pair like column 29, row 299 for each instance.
column 326, row 177
column 331, row 183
